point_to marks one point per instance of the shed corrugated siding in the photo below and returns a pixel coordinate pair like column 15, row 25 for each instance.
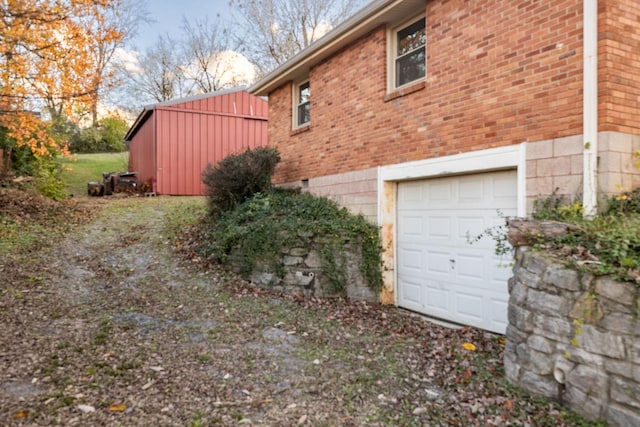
column 142, row 153
column 189, row 137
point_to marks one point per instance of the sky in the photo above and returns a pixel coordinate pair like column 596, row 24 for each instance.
column 168, row 16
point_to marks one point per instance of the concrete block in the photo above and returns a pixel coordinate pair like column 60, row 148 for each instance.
column 568, row 185
column 539, row 149
column 577, row 164
column 609, row 161
column 568, row 146
column 539, row 186
column 551, row 167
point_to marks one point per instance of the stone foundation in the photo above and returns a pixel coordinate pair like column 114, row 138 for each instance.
column 574, row 338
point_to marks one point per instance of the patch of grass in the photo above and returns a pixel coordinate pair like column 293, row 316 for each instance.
column 187, row 212
column 103, row 334
column 83, row 168
column 204, row 357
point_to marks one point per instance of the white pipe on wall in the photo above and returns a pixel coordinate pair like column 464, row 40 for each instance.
column 590, row 107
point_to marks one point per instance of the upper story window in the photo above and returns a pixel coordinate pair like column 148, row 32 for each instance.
column 302, row 110
column 409, row 53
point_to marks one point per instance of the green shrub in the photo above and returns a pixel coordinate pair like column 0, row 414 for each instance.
column 627, row 202
column 608, row 243
column 86, row 140
column 237, row 177
column 113, row 130
column 557, row 208
column 48, row 178
column 106, row 137
column 259, row 228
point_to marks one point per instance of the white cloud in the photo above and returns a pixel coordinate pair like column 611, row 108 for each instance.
column 323, row 28
column 235, row 68
column 228, row 68
column 128, row 59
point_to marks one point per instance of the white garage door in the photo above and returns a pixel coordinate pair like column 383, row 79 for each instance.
column 439, row 272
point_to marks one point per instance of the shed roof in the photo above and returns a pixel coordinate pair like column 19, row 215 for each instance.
column 148, row 109
column 374, row 14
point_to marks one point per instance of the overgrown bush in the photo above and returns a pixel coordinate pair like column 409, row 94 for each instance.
column 609, row 243
column 257, row 230
column 237, row 177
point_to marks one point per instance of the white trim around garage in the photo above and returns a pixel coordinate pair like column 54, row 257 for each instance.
column 501, row 158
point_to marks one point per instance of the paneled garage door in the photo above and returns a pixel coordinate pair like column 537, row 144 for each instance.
column 439, row 272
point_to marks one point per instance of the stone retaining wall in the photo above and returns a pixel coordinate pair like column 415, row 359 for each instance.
column 301, row 269
column 574, row 338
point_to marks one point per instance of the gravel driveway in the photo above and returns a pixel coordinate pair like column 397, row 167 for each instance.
column 112, row 326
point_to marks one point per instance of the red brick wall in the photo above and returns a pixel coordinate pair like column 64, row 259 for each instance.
column 499, row 72
column 619, row 69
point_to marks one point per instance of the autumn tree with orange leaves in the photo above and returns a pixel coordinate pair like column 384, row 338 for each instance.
column 48, row 60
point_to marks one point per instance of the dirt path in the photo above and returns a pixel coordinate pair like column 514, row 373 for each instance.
column 110, row 327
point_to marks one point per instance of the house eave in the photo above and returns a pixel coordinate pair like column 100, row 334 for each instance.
column 375, row 14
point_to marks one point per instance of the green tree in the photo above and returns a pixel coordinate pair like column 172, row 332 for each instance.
column 107, row 136
column 112, row 130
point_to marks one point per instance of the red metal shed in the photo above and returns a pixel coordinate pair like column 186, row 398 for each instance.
column 171, row 142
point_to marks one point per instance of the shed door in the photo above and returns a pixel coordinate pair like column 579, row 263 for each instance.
column 439, row 272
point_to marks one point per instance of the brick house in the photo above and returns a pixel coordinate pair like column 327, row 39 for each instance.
column 429, row 116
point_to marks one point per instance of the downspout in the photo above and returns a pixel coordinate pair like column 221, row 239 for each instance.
column 590, row 108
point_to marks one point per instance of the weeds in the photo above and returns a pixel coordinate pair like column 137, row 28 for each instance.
column 259, row 229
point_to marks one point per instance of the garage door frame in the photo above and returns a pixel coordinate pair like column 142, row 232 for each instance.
column 493, row 159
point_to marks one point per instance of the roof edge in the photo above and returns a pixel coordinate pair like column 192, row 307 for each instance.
column 148, row 109
column 366, row 19
column 137, row 124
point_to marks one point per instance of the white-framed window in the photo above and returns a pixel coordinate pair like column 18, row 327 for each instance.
column 301, row 104
column 407, row 62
